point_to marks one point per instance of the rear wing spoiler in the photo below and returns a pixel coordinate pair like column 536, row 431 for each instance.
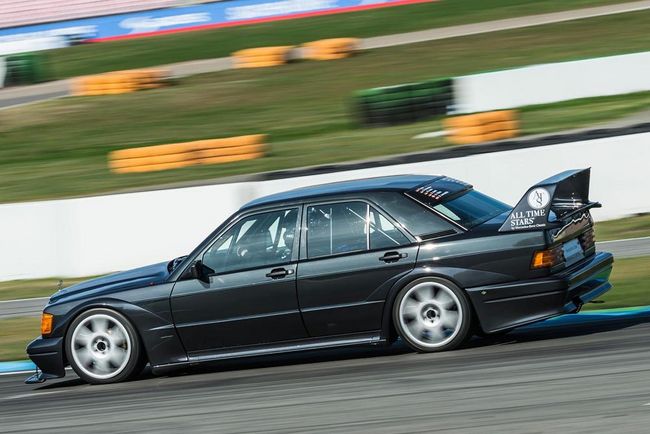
column 550, row 202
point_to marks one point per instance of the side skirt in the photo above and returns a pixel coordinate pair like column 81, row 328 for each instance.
column 278, row 348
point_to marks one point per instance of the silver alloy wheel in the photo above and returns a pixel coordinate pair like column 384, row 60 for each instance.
column 101, row 346
column 430, row 314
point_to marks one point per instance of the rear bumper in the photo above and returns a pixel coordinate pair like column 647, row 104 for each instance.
column 505, row 306
column 47, row 355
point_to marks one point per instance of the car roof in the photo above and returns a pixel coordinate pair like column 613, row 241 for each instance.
column 382, row 183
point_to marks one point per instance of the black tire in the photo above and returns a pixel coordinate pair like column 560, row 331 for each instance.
column 129, row 349
column 450, row 338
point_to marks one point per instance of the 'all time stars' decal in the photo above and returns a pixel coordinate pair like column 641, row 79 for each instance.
column 531, row 212
column 527, row 219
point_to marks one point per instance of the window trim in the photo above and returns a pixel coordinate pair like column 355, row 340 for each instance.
column 453, row 228
column 304, row 229
column 296, row 241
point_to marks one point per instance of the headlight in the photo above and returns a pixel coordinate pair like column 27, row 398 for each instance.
column 46, row 323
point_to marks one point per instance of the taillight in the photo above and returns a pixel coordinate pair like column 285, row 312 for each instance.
column 547, row 258
column 588, row 239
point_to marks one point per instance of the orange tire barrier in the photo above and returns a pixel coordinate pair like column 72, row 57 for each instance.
column 177, row 155
column 261, row 57
column 482, row 127
column 330, row 49
column 117, row 82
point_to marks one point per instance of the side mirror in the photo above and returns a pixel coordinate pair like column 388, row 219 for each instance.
column 200, row 272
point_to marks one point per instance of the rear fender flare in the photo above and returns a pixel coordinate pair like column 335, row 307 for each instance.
column 387, row 330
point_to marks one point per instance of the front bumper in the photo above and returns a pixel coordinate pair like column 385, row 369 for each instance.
column 504, row 306
column 47, row 354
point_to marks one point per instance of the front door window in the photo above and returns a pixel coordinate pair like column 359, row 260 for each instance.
column 259, row 240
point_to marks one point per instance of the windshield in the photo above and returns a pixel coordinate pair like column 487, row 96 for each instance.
column 470, row 209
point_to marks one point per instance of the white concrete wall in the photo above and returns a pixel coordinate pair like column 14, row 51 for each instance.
column 3, row 71
column 553, row 82
column 80, row 237
column 32, row 44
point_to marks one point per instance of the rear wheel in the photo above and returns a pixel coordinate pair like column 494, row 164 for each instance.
column 432, row 314
column 103, row 347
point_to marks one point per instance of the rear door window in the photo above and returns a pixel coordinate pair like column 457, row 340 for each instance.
column 337, row 228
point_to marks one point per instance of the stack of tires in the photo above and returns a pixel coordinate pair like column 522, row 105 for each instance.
column 482, row 127
column 26, row 68
column 330, row 49
column 117, row 82
column 261, row 57
column 178, row 155
column 404, row 103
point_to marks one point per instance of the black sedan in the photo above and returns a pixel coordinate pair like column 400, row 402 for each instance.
column 425, row 258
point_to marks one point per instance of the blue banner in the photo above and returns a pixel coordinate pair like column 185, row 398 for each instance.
column 225, row 13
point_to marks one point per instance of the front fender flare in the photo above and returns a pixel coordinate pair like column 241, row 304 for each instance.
column 159, row 338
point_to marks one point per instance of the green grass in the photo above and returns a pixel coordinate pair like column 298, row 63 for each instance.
column 15, row 334
column 568, row 115
column 630, row 279
column 110, row 56
column 58, row 148
column 17, row 289
column 631, row 227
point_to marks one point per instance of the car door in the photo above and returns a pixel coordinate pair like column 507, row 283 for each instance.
column 351, row 254
column 249, row 293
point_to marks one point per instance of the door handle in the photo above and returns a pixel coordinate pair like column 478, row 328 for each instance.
column 393, row 256
column 279, row 273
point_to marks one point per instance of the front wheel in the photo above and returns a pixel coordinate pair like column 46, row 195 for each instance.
column 103, row 347
column 432, row 314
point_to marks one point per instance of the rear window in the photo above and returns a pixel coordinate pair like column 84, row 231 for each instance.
column 469, row 209
column 414, row 217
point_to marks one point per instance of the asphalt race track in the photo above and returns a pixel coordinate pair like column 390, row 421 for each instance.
column 582, row 373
